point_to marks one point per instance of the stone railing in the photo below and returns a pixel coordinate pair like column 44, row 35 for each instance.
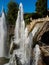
column 41, row 19
column 36, row 21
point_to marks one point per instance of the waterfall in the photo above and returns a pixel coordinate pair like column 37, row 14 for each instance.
column 36, row 55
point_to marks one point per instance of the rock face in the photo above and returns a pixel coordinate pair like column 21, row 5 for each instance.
column 45, row 54
column 45, row 50
column 44, row 46
column 46, row 60
column 43, row 40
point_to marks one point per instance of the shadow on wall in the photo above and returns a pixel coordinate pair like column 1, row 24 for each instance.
column 45, row 38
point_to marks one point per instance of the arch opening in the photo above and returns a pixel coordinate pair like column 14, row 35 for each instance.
column 45, row 38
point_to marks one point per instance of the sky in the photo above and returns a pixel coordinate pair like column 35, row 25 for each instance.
column 28, row 5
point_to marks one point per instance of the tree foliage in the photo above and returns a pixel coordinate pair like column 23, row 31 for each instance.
column 36, row 15
column 41, row 7
column 27, row 18
column 12, row 12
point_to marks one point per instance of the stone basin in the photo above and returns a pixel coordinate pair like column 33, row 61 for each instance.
column 3, row 60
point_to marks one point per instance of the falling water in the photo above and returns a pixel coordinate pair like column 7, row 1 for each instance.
column 3, row 36
column 6, row 64
column 19, row 34
column 12, row 60
column 37, row 55
column 17, row 30
column 22, row 39
column 28, row 48
column 20, row 25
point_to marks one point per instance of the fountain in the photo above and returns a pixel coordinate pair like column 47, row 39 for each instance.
column 20, row 25
column 22, row 39
column 21, row 55
column 3, row 38
column 17, row 31
column 36, row 55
